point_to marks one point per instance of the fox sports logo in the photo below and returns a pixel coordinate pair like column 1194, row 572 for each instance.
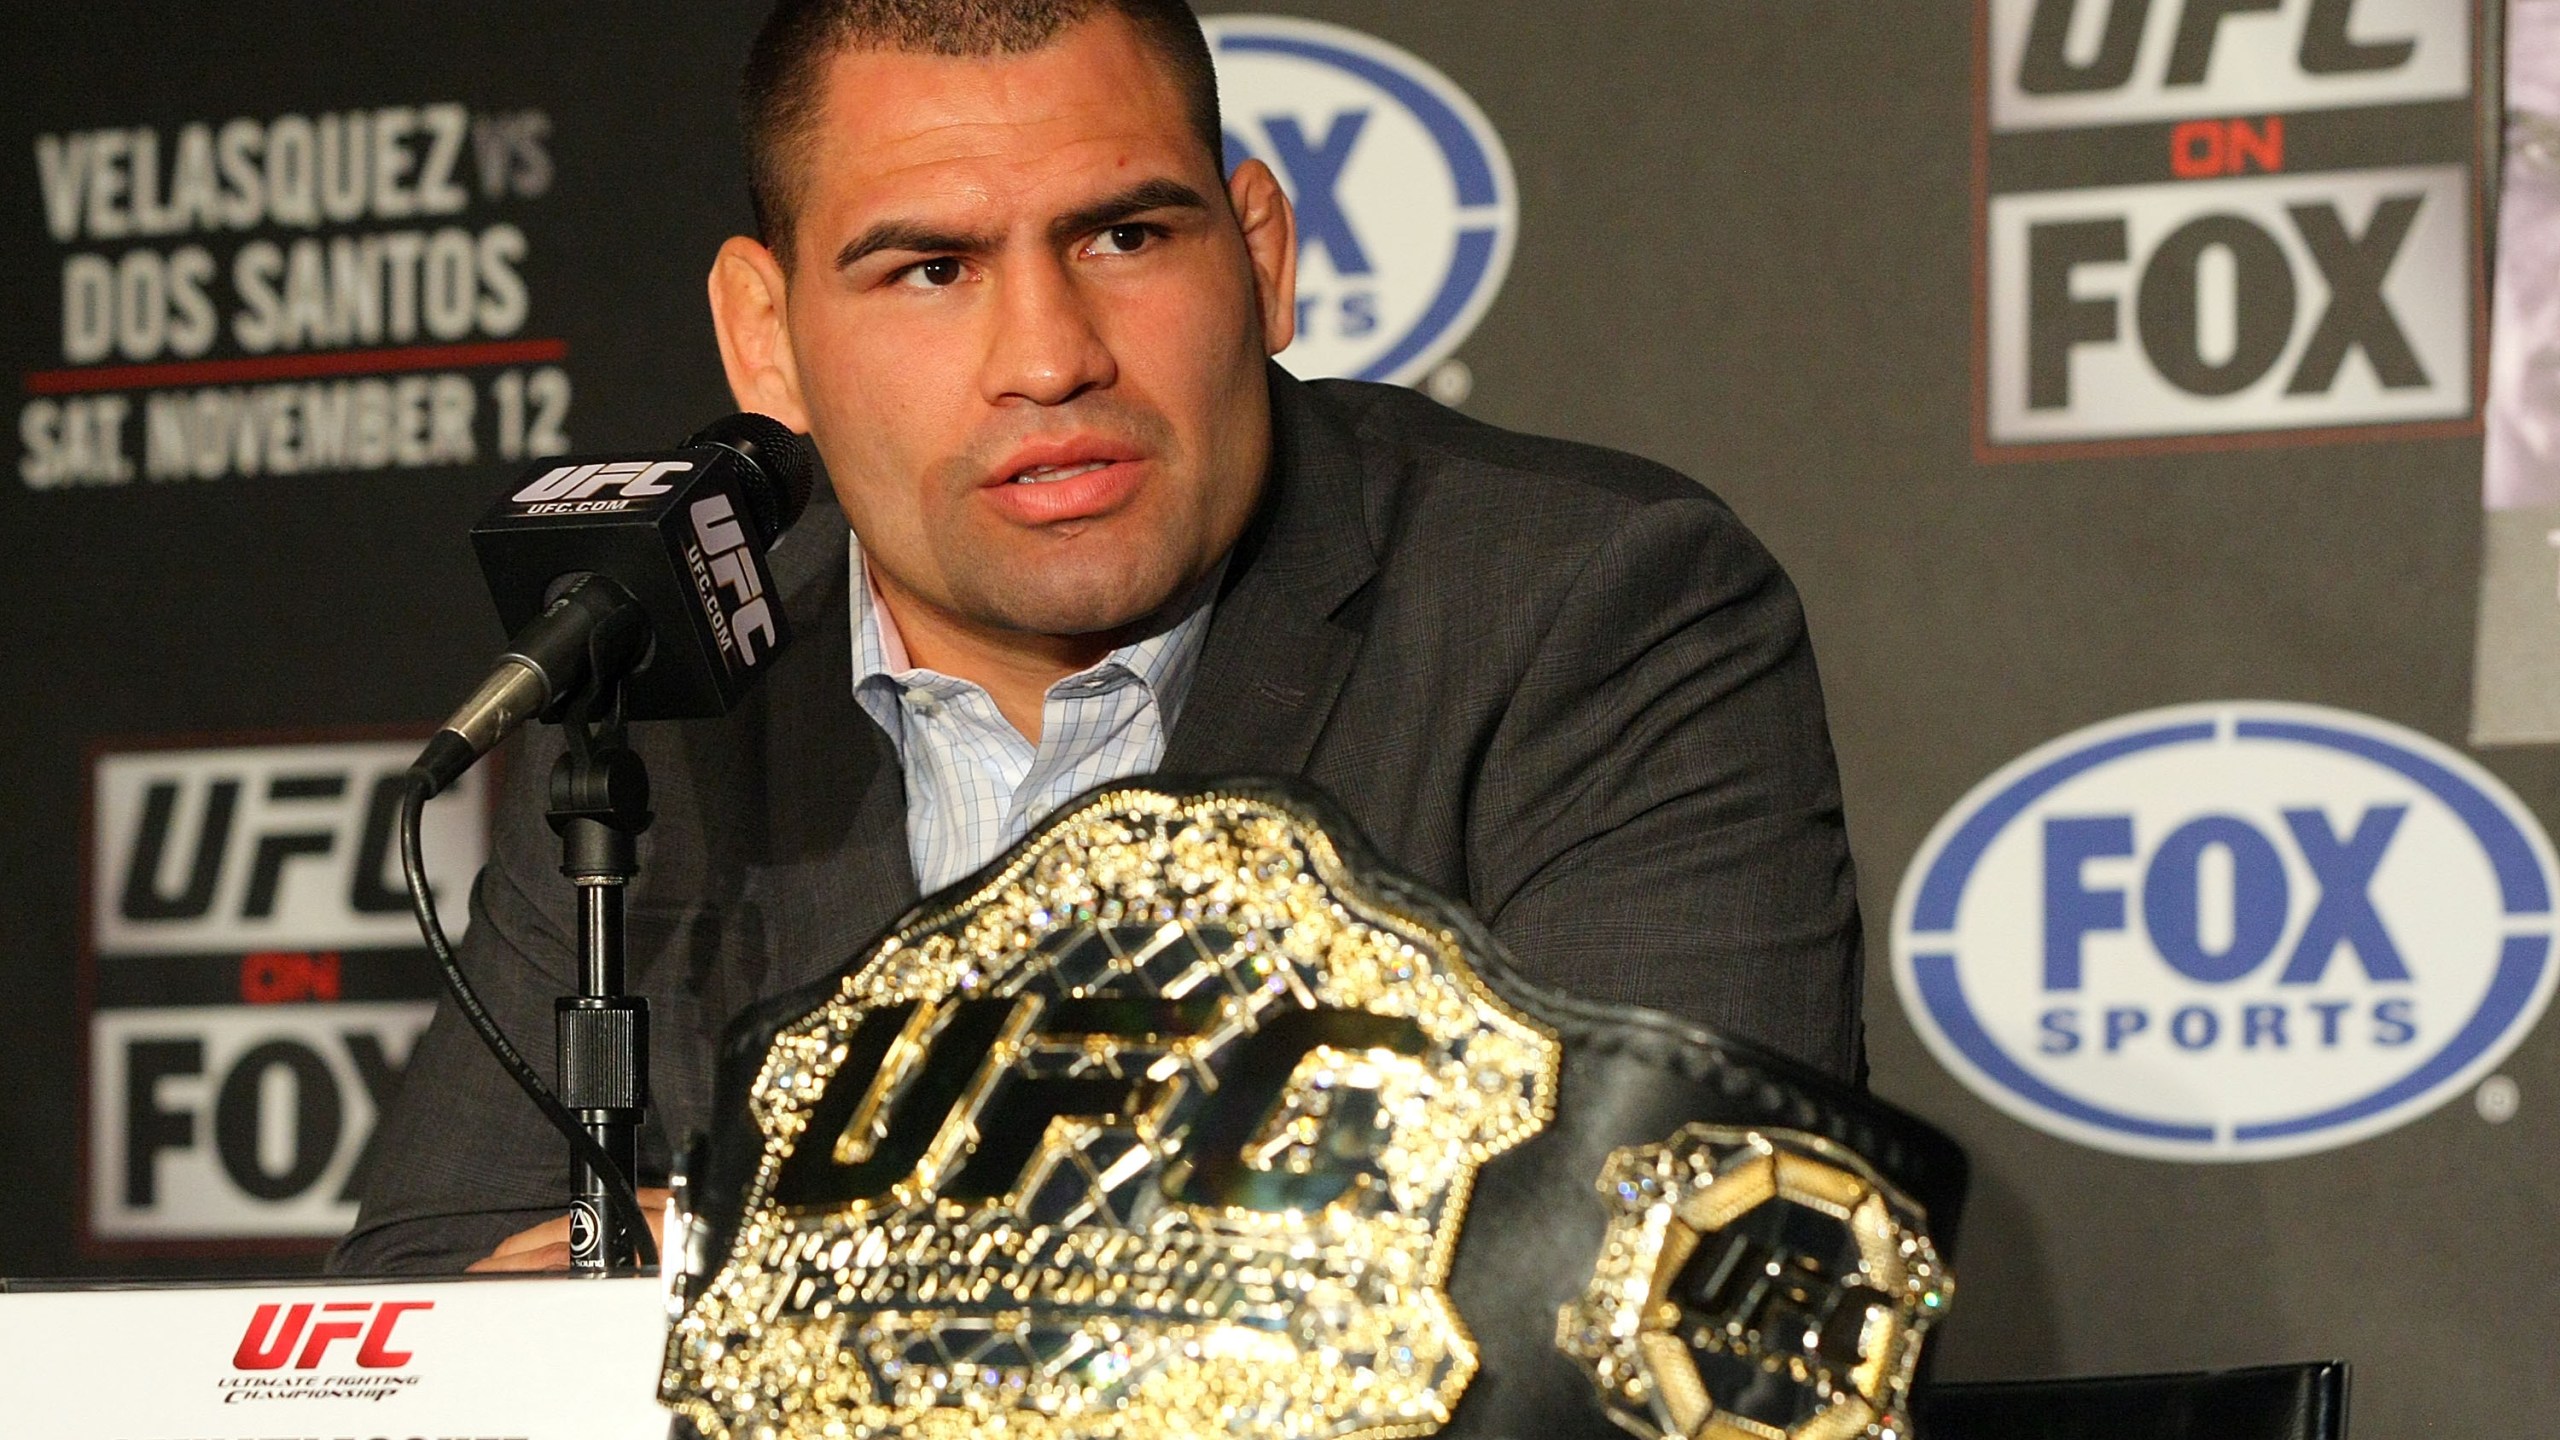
column 1406, row 208
column 2228, row 931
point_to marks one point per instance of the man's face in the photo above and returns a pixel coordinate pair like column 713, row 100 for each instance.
column 1027, row 330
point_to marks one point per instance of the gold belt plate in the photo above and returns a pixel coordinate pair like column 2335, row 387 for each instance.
column 1166, row 1128
column 1755, row 1284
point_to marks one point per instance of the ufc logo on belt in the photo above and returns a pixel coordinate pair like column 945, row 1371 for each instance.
column 962, row 1100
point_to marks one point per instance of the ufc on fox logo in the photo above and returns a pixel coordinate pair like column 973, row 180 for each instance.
column 2207, row 217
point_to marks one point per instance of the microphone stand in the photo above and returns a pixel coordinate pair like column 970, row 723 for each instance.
column 599, row 806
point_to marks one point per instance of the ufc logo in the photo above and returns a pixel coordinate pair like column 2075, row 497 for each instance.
column 2102, row 62
column 274, row 848
column 2322, row 43
column 635, row 479
column 1740, row 1284
column 275, row 1330
column 200, row 857
column 950, row 1099
column 731, row 565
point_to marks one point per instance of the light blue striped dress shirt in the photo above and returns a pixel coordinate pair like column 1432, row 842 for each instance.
column 974, row 784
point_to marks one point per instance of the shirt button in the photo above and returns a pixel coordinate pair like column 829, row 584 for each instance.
column 922, row 702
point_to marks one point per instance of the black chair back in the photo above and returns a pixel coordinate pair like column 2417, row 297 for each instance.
column 2274, row 1402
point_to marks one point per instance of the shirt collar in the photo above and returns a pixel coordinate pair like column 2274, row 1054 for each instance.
column 1163, row 661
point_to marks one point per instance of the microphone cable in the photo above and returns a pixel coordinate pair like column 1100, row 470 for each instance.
column 413, row 867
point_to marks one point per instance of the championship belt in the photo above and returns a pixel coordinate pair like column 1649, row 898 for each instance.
column 1186, row 1119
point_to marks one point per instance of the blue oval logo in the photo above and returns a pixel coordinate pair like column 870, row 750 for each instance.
column 1405, row 201
column 2228, row 931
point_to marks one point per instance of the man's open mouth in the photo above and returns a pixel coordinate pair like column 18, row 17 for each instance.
column 1046, row 474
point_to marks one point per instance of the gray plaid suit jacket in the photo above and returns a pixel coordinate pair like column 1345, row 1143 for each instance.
column 1561, row 684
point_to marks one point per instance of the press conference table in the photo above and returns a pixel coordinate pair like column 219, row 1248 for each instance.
column 525, row 1358
column 551, row 1358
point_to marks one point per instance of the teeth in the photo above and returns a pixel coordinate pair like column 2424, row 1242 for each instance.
column 1047, row 474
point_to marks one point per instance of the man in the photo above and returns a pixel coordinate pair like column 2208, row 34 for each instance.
column 1004, row 285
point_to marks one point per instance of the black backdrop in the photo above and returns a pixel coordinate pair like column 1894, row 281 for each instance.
column 1744, row 248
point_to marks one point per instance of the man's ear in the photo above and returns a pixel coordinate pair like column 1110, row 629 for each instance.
column 1271, row 242
column 749, row 311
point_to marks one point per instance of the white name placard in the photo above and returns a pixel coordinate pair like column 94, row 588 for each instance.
column 500, row 1359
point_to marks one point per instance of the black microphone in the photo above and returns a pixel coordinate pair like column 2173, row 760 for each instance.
column 647, row 570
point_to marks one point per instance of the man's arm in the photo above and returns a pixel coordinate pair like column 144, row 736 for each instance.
column 1657, row 819
column 462, row 1160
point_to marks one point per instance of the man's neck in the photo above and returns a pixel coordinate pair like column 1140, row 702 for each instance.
column 1016, row 669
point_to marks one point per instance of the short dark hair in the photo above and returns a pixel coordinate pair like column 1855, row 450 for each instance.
column 782, row 88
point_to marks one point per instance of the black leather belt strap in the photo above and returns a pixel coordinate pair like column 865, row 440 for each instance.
column 1631, row 1078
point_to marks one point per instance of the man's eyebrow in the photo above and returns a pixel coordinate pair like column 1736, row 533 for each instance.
column 911, row 235
column 916, row 237
column 1138, row 199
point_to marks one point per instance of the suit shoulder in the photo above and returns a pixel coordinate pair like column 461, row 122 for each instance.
column 1427, row 464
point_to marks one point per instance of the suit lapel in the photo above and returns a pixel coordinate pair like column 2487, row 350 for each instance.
column 835, row 870
column 1277, row 651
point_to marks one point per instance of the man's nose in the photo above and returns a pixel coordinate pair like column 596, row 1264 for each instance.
column 1046, row 348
